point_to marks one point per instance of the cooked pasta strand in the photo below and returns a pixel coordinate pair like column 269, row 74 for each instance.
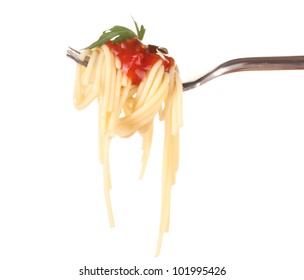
column 126, row 108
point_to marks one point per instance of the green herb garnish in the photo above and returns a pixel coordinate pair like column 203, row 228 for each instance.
column 118, row 34
column 141, row 31
column 157, row 48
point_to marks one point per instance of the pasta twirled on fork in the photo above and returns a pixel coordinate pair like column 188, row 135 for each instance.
column 133, row 83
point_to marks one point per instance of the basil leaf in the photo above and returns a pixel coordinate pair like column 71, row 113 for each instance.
column 141, row 31
column 117, row 33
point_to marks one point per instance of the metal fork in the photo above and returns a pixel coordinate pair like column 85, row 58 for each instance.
column 231, row 66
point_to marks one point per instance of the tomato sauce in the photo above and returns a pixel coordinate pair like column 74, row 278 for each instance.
column 137, row 59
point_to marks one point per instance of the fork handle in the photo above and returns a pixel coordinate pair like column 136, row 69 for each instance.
column 249, row 64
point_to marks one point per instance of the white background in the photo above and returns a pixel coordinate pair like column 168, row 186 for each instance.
column 238, row 201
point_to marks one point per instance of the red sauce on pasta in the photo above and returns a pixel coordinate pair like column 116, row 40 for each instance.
column 137, row 59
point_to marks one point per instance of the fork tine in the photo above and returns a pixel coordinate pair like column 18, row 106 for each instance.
column 75, row 51
column 74, row 54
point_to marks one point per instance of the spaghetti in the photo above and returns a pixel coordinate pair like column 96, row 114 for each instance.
column 133, row 83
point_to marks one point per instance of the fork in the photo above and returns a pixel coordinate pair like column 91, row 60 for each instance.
column 230, row 66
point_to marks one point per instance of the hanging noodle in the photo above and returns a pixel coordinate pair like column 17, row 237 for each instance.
column 126, row 108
